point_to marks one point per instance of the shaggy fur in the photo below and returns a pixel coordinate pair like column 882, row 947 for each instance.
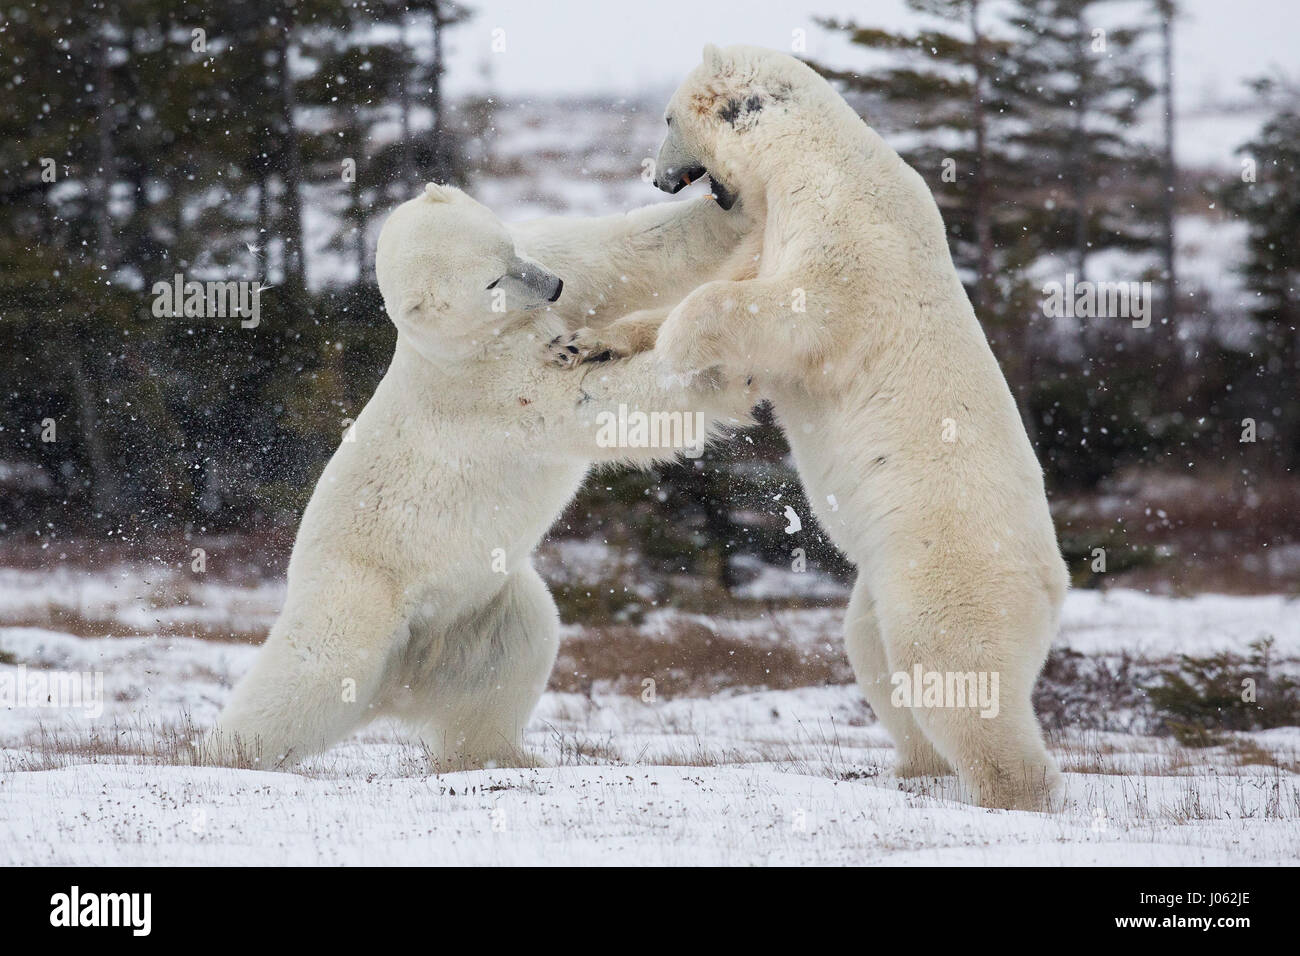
column 905, row 434
column 411, row 589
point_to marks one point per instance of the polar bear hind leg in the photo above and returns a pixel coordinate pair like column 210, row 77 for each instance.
column 489, row 675
column 866, row 650
column 1000, row 757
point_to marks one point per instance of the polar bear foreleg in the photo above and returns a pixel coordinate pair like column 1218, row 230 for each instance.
column 680, row 418
column 314, row 679
column 630, row 335
column 768, row 326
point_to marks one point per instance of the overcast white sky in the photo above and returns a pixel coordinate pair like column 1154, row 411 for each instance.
column 631, row 46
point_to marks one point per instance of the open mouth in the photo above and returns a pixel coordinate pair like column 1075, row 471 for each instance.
column 725, row 197
column 685, row 177
column 677, row 179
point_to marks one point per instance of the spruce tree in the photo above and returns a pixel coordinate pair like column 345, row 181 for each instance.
column 1080, row 88
column 1266, row 196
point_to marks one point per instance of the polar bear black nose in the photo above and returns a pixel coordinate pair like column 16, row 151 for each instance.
column 559, row 287
column 676, row 178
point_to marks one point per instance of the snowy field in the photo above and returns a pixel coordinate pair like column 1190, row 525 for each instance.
column 740, row 775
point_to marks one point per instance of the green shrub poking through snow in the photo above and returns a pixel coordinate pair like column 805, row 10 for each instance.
column 1207, row 697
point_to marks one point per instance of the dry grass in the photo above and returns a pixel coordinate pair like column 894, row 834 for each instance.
column 240, row 559
column 53, row 748
column 1243, row 781
column 68, row 621
column 692, row 662
column 1248, row 753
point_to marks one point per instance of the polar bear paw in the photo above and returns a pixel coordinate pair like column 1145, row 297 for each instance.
column 580, row 348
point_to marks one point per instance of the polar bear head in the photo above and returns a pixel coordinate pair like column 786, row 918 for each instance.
column 448, row 271
column 715, row 117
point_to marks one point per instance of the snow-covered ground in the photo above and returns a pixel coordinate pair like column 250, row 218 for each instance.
column 738, row 776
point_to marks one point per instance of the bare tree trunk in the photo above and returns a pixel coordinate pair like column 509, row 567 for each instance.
column 360, row 247
column 295, row 265
column 408, row 177
column 260, row 238
column 1168, row 199
column 105, row 488
column 440, row 167
column 1291, row 370
column 104, row 484
column 1079, row 171
column 983, row 226
column 104, row 141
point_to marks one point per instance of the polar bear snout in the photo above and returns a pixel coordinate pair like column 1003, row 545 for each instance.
column 675, row 167
column 678, row 168
column 676, row 178
column 528, row 285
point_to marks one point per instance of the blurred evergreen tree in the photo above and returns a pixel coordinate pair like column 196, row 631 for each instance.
column 1266, row 196
column 178, row 141
column 1081, row 89
column 1081, row 82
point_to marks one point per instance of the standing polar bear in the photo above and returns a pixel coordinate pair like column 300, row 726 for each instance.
column 903, row 429
column 411, row 590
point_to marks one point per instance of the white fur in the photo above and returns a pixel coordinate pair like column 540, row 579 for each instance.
column 471, row 443
column 959, row 565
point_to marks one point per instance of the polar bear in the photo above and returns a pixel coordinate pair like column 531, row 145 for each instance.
column 411, row 590
column 901, row 424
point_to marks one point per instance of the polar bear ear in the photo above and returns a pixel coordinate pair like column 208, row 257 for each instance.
column 712, row 57
column 435, row 193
